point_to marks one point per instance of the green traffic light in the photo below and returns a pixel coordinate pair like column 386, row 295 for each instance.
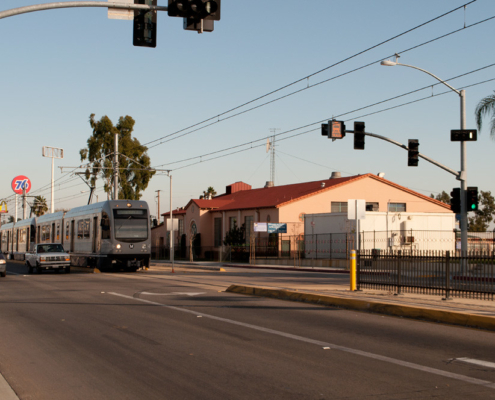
column 473, row 206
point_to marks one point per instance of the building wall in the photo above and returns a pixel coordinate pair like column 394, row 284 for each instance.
column 429, row 231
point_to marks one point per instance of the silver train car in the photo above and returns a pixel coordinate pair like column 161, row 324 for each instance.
column 113, row 234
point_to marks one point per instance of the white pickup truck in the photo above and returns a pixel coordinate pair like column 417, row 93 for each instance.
column 48, row 256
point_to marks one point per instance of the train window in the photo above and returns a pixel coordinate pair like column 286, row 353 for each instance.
column 45, row 233
column 58, row 231
column 83, row 228
column 67, row 231
column 80, row 229
column 131, row 224
column 86, row 228
column 105, row 226
column 22, row 235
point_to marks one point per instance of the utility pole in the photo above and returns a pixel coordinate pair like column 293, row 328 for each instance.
column 116, row 167
column 272, row 156
column 158, row 191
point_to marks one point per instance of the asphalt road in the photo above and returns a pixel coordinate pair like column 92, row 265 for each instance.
column 158, row 335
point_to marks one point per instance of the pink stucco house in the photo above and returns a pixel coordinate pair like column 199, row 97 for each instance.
column 241, row 204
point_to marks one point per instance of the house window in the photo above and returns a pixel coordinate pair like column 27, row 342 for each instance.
column 232, row 223
column 248, row 221
column 397, row 207
column 181, row 227
column 217, row 232
column 339, row 206
column 371, row 206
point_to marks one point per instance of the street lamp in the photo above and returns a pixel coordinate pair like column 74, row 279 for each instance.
column 462, row 176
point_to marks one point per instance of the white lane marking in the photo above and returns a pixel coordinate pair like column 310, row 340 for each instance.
column 172, row 294
column 15, row 273
column 476, row 362
column 390, row 360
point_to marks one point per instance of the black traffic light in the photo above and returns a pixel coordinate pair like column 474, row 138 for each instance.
column 413, row 153
column 195, row 9
column 472, row 198
column 463, row 135
column 203, row 25
column 324, row 129
column 455, row 200
column 358, row 135
column 144, row 32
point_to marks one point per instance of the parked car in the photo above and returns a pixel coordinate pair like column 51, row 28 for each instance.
column 3, row 266
column 48, row 256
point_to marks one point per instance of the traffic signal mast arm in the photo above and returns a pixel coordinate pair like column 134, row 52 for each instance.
column 455, row 173
column 71, row 4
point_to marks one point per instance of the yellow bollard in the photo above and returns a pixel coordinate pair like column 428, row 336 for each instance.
column 353, row 270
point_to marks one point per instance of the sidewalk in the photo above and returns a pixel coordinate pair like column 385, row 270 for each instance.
column 458, row 311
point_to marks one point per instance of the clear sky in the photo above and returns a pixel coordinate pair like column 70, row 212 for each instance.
column 60, row 66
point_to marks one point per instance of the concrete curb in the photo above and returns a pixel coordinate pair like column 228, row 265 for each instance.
column 298, row 269
column 200, row 267
column 406, row 311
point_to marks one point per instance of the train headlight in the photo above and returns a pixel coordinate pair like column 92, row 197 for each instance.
column 118, row 246
column 143, row 246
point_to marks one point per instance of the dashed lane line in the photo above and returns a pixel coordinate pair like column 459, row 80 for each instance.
column 322, row 344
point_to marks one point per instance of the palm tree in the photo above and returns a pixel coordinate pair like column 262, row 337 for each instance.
column 208, row 193
column 39, row 206
column 485, row 107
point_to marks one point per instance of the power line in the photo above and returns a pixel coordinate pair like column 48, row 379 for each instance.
column 309, row 76
column 318, row 128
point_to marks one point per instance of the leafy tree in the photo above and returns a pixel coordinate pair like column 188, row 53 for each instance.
column 236, row 236
column 443, row 197
column 134, row 162
column 39, row 206
column 208, row 192
column 485, row 107
column 482, row 218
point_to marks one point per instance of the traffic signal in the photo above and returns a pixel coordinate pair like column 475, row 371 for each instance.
column 194, row 9
column 203, row 25
column 144, row 32
column 463, row 135
column 324, row 129
column 455, row 200
column 358, row 135
column 472, row 198
column 413, row 153
column 336, row 129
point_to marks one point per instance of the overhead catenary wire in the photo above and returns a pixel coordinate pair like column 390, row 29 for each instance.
column 314, row 129
column 309, row 76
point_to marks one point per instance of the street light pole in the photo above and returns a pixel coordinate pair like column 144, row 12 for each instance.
column 462, row 176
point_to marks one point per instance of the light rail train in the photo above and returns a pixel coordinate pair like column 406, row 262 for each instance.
column 106, row 235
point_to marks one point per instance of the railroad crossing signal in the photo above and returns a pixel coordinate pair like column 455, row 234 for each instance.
column 144, row 32
column 472, row 198
column 413, row 153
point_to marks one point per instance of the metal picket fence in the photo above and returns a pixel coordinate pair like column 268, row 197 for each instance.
column 470, row 275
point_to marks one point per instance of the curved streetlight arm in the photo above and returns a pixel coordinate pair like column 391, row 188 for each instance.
column 71, row 4
column 434, row 76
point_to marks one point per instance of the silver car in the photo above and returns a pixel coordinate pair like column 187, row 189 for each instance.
column 3, row 266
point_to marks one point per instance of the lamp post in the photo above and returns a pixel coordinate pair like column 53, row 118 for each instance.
column 462, row 176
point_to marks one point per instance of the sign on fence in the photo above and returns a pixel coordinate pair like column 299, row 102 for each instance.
column 277, row 228
column 270, row 228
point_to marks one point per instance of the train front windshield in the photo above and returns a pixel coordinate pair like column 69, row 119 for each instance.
column 130, row 225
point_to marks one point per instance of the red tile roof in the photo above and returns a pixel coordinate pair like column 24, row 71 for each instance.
column 278, row 196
